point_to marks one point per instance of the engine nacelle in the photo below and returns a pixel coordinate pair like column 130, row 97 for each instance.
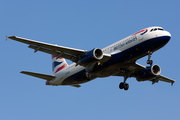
column 91, row 56
column 148, row 73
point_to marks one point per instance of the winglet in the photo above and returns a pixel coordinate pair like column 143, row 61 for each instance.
column 172, row 83
column 7, row 37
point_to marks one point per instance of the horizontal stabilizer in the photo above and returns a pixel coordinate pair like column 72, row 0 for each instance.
column 39, row 75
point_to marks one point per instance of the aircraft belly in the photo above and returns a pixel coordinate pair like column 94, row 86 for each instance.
column 77, row 78
column 76, row 75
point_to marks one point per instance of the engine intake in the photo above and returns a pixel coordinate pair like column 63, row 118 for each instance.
column 91, row 56
column 148, row 73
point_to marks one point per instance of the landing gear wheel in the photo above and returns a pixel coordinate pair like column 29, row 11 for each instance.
column 121, row 85
column 149, row 62
column 126, row 86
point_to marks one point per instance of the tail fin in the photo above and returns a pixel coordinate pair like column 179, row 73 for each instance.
column 58, row 64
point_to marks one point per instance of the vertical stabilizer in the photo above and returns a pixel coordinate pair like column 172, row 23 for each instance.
column 58, row 64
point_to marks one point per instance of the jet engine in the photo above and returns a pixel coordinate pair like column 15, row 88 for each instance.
column 91, row 56
column 148, row 73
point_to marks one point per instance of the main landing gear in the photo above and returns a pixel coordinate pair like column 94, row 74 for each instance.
column 149, row 53
column 124, row 85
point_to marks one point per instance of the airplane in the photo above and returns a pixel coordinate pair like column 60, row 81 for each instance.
column 118, row 59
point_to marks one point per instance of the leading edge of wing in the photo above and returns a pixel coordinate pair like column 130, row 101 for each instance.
column 165, row 79
column 47, row 45
column 60, row 51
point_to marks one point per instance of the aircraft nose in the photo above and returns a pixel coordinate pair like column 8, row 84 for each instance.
column 166, row 36
column 169, row 35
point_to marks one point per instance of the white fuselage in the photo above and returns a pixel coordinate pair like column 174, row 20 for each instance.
column 114, row 49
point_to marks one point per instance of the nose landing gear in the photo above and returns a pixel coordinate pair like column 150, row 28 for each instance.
column 149, row 53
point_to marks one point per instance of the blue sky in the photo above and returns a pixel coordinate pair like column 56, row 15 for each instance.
column 85, row 25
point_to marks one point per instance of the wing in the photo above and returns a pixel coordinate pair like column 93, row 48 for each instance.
column 59, row 51
column 49, row 48
column 165, row 79
column 136, row 68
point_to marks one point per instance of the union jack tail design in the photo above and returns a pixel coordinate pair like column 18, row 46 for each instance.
column 58, row 64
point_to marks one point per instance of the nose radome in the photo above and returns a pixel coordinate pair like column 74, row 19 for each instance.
column 168, row 34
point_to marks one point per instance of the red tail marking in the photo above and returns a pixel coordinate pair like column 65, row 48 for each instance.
column 61, row 68
column 53, row 56
column 47, row 82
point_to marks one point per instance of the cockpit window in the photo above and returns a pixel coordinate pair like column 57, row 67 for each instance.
column 157, row 29
column 160, row 29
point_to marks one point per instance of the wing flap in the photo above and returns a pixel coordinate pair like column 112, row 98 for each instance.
column 52, row 52
column 39, row 75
